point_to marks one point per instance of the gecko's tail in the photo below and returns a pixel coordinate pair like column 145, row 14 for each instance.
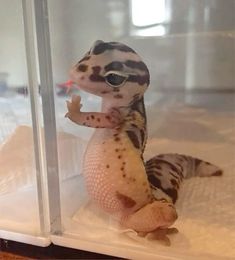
column 167, row 171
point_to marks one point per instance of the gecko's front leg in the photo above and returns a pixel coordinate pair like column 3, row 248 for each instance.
column 111, row 119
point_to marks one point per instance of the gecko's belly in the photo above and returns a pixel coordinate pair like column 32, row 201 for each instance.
column 115, row 175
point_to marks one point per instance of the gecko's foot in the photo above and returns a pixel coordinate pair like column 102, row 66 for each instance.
column 73, row 107
column 160, row 234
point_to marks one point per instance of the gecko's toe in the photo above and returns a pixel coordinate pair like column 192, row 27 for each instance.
column 142, row 234
column 76, row 98
column 160, row 235
column 69, row 104
column 170, row 231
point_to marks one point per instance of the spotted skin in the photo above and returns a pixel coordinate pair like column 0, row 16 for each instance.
column 140, row 194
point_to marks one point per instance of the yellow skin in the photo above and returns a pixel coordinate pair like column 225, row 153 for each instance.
column 114, row 171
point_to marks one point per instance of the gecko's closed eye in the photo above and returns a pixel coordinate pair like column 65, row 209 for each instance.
column 115, row 79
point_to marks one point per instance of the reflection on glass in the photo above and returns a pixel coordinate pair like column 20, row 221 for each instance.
column 148, row 13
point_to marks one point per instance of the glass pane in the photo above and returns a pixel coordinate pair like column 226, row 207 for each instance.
column 190, row 111
column 18, row 189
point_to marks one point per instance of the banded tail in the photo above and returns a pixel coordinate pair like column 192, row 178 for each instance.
column 167, row 171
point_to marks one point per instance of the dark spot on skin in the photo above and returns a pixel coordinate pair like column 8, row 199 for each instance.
column 105, row 46
column 115, row 65
column 92, row 117
column 217, row 173
column 158, row 173
column 185, row 157
column 84, row 123
column 174, row 168
column 96, row 69
column 98, row 119
column 100, row 48
column 180, row 166
column 170, row 165
column 125, row 200
column 116, row 89
column 124, row 175
column 141, row 80
column 140, row 65
column 116, row 150
column 84, row 59
column 171, row 192
column 108, row 117
column 174, row 183
column 118, row 96
column 107, row 166
column 122, row 169
column 123, row 163
column 134, row 139
column 150, row 172
column 138, row 105
column 150, row 164
column 82, row 67
column 144, row 183
column 136, row 97
column 117, row 139
column 119, row 156
column 87, row 118
column 207, row 163
column 174, row 175
column 82, row 78
column 104, row 92
column 134, row 125
column 96, row 78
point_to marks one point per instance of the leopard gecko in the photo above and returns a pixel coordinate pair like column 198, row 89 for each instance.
column 142, row 194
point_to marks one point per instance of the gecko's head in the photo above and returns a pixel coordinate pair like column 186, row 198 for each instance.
column 112, row 70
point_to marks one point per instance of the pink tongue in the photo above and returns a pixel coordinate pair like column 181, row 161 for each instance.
column 68, row 84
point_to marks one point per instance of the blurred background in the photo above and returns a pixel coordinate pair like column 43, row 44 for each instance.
column 186, row 44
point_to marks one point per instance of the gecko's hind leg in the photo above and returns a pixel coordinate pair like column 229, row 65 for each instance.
column 158, row 214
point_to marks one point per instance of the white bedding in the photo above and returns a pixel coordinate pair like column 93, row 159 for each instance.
column 205, row 206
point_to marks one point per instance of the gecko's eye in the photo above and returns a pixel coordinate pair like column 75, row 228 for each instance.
column 115, row 79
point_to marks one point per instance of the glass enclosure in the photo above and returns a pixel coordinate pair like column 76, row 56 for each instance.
column 189, row 48
column 22, row 210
